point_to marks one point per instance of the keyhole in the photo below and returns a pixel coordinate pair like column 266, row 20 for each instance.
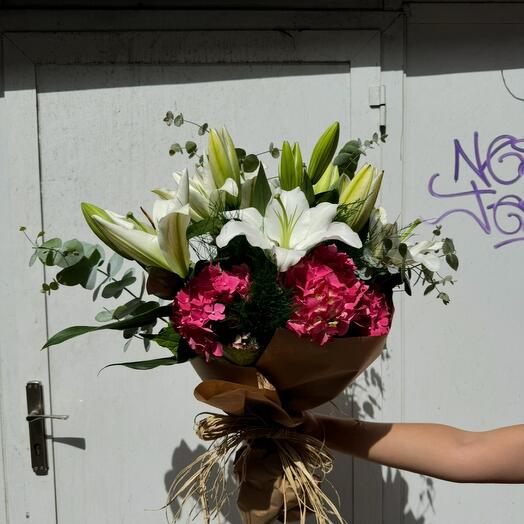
column 37, row 450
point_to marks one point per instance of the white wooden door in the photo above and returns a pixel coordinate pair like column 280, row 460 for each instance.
column 82, row 121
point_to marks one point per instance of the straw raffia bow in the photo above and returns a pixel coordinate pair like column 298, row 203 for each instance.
column 304, row 462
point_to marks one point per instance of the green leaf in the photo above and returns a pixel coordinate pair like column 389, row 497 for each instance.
column 348, row 157
column 115, row 289
column 241, row 153
column 22, row 228
column 127, row 309
column 167, row 338
column 168, row 119
column 261, row 191
column 114, row 265
column 403, row 250
column 448, row 246
column 178, row 120
column 130, row 323
column 191, row 148
column 33, row 258
column 202, row 129
column 327, row 196
column 452, row 261
column 307, row 188
column 83, row 272
column 444, row 297
column 250, row 163
column 48, row 251
column 104, row 316
column 175, row 148
column 274, row 151
column 145, row 364
column 71, row 252
column 429, row 289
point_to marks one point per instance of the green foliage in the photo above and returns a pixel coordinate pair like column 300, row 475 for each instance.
column 250, row 163
column 269, row 305
column 137, row 321
column 348, row 157
column 261, row 191
column 145, row 364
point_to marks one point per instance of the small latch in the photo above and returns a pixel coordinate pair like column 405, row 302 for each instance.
column 377, row 99
column 36, row 419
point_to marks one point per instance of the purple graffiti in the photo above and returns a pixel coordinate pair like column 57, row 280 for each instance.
column 493, row 212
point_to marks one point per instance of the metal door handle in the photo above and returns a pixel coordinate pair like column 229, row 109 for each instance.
column 36, row 419
column 36, row 416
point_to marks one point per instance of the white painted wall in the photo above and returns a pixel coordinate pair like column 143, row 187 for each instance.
column 443, row 82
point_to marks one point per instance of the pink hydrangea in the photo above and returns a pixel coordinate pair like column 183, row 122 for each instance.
column 374, row 315
column 330, row 300
column 203, row 301
column 326, row 294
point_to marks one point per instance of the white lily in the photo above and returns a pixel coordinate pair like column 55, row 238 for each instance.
column 425, row 253
column 164, row 245
column 204, row 196
column 289, row 228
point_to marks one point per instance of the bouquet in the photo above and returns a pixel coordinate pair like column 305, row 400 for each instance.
column 277, row 288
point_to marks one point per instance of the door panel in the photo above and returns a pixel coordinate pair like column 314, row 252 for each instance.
column 102, row 140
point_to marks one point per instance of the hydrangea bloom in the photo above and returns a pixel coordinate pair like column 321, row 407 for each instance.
column 203, row 301
column 329, row 298
column 374, row 315
column 326, row 294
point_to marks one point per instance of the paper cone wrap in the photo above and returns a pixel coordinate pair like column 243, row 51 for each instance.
column 291, row 376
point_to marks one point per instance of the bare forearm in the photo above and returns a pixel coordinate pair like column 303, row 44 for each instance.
column 432, row 449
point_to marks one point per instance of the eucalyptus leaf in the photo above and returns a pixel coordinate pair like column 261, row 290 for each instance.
column 104, row 316
column 452, row 261
column 115, row 264
column 71, row 252
column 82, row 273
column 250, row 163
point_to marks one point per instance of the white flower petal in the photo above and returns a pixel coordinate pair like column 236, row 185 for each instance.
column 282, row 215
column 173, row 241
column 285, row 258
column 313, row 223
column 235, row 228
column 136, row 244
column 343, row 233
column 230, row 187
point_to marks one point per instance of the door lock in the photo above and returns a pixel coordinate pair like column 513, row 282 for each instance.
column 36, row 419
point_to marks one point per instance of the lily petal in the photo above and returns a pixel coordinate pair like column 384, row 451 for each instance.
column 285, row 258
column 173, row 241
column 235, row 228
column 137, row 245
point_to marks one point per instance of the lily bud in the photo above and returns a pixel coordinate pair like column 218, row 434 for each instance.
column 290, row 169
column 361, row 193
column 323, row 152
column 328, row 180
column 223, row 160
column 91, row 211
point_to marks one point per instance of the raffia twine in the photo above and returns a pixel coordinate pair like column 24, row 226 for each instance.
column 305, row 462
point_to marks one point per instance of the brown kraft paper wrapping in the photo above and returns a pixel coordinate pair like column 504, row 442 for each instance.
column 291, row 376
